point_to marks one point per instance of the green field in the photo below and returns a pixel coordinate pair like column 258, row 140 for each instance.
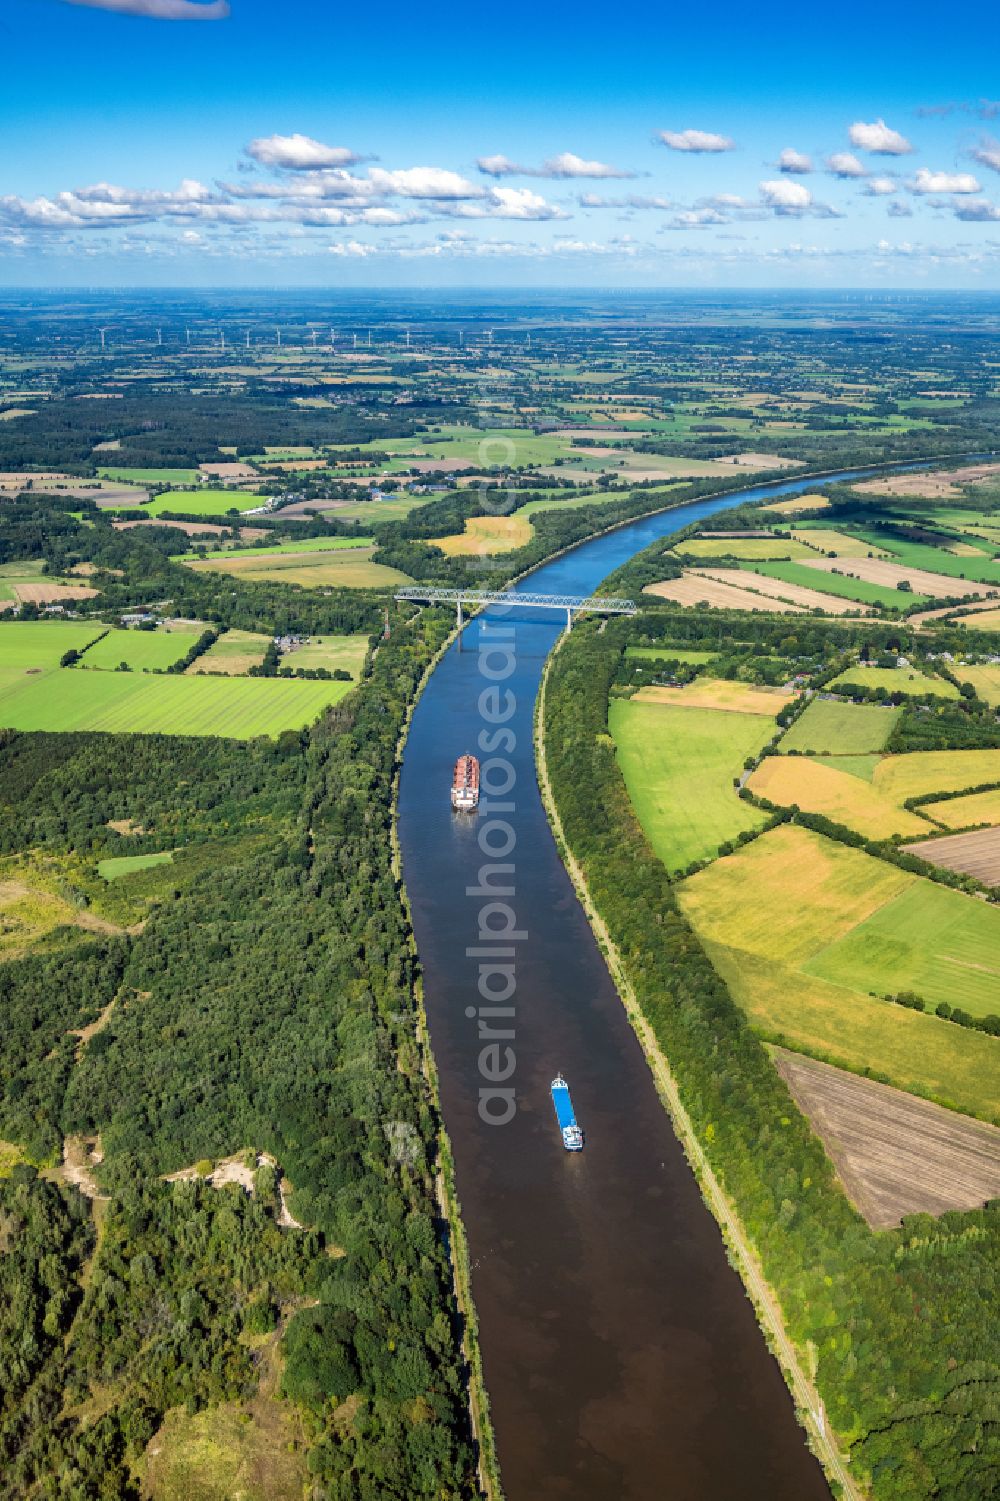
column 123, row 865
column 832, row 728
column 28, row 644
column 142, row 650
column 281, row 549
column 835, row 583
column 347, row 652
column 940, row 943
column 756, row 548
column 343, row 568
column 934, row 559
column 149, row 476
column 371, row 512
column 679, row 766
column 669, row 654
column 907, row 680
column 203, row 502
column 127, row 703
column 767, row 914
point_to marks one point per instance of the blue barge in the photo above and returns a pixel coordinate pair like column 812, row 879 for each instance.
column 572, row 1136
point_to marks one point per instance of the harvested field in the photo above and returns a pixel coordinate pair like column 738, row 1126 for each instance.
column 842, row 544
column 694, row 587
column 765, row 912
column 935, row 484
column 849, row 800
column 891, row 575
column 234, row 654
column 718, row 693
column 196, row 528
column 985, row 678
column 834, row 728
column 331, row 652
column 988, row 620
column 50, row 593
column 484, row 535
column 967, row 614
column 795, row 594
column 799, row 503
column 894, row 1154
column 228, row 471
column 965, row 812
column 976, row 854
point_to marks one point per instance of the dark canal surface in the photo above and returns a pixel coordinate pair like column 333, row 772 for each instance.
column 622, row 1357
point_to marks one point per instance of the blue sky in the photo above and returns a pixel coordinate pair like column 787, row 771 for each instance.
column 635, row 145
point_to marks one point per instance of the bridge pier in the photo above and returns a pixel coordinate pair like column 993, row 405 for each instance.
column 458, row 614
column 569, row 619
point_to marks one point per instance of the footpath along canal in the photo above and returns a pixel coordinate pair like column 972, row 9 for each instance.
column 622, row 1357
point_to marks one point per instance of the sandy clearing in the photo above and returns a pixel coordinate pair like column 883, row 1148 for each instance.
column 895, row 1154
column 695, row 587
column 777, row 589
column 81, row 1154
column 891, row 575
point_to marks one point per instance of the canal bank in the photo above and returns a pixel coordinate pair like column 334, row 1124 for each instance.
column 619, row 1349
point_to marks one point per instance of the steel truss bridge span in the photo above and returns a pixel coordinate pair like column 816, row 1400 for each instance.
column 573, row 604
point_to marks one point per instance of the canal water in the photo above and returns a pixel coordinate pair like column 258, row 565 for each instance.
column 622, row 1357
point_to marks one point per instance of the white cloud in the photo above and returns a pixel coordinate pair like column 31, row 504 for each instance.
column 353, row 249
column 631, row 200
column 786, row 197
column 987, row 153
column 500, row 166
column 882, row 187
column 510, row 203
column 696, row 140
column 878, row 138
column 697, row 218
column 163, row 10
column 791, row 160
column 424, row 182
column 845, row 164
column 944, row 182
column 566, row 164
column 299, row 153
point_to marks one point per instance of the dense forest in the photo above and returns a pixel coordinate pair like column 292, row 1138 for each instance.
column 899, row 1323
column 266, row 1006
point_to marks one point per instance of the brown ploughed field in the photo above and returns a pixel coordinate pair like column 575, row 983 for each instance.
column 976, row 854
column 895, row 1154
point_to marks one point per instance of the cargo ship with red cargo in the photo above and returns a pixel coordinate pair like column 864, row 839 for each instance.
column 465, row 785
